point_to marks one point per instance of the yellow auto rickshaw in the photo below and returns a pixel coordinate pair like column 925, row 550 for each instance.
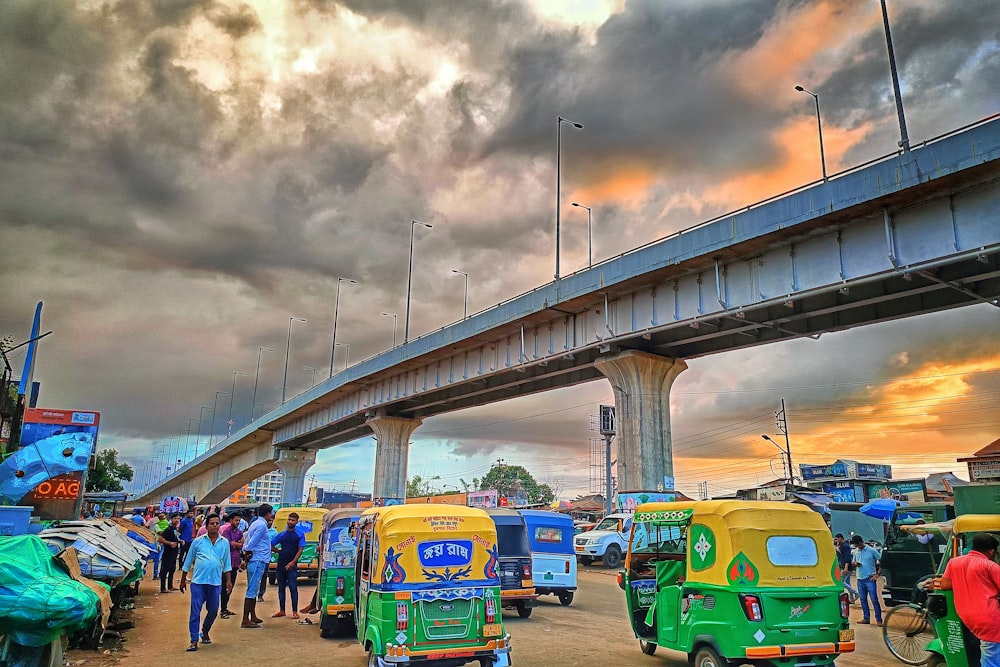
column 730, row 581
column 311, row 525
column 428, row 587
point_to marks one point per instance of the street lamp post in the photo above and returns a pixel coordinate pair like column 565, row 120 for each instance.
column 187, row 443
column 590, row 235
column 393, row 316
column 347, row 359
column 559, row 124
column 904, row 139
column 232, row 399
column 819, row 125
column 288, row 344
column 215, row 409
column 465, row 308
column 201, row 417
column 409, row 280
column 310, row 368
column 336, row 309
column 256, row 379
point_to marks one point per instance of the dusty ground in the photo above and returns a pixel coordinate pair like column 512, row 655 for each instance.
column 593, row 631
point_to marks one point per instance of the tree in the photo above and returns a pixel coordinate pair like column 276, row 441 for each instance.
column 417, row 486
column 506, row 479
column 107, row 474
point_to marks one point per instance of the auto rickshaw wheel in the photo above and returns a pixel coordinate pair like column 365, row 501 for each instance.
column 523, row 610
column 325, row 626
column 936, row 660
column 566, row 598
column 612, row 557
column 649, row 648
column 586, row 560
column 372, row 658
column 707, row 657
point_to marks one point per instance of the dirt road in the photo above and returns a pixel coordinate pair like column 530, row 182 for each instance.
column 593, row 631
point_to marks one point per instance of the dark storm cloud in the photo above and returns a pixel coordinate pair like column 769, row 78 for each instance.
column 237, row 23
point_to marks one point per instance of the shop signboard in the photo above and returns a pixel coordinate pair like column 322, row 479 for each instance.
column 874, row 471
column 48, row 471
column 482, row 498
column 910, row 490
column 838, row 469
column 986, row 470
column 843, row 492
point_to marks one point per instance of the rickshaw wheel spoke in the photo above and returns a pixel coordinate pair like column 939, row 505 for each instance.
column 907, row 630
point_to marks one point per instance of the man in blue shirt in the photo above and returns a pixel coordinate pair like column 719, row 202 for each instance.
column 289, row 544
column 209, row 555
column 257, row 543
column 867, row 563
column 186, row 533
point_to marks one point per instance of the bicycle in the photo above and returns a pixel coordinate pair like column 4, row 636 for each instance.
column 907, row 629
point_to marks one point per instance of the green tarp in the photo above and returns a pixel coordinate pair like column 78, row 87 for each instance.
column 38, row 599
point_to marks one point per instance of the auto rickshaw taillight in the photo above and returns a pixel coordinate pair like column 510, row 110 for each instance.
column 402, row 616
column 340, row 585
column 491, row 610
column 751, row 607
column 526, row 571
column 845, row 606
column 567, row 567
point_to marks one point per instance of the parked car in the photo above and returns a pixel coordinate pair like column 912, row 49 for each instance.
column 608, row 541
column 582, row 526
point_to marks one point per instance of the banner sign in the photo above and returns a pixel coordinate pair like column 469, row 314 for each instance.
column 49, row 469
column 838, row 469
column 910, row 490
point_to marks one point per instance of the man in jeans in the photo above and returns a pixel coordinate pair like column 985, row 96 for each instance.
column 186, row 533
column 209, row 556
column 845, row 559
column 289, row 544
column 867, row 566
column 257, row 543
column 975, row 581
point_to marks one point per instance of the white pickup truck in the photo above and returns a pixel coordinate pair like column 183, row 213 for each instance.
column 608, row 541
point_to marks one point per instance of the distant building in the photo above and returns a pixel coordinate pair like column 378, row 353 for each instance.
column 984, row 465
column 265, row 489
column 941, row 485
column 849, row 481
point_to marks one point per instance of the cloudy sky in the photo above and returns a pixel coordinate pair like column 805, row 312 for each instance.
column 179, row 177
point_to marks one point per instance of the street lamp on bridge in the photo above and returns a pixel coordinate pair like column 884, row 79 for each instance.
column 590, row 235
column 201, row 418
column 336, row 309
column 232, row 399
column 256, row 379
column 393, row 316
column 409, row 280
column 559, row 124
column 347, row 358
column 215, row 409
column 310, row 368
column 465, row 308
column 819, row 124
column 288, row 345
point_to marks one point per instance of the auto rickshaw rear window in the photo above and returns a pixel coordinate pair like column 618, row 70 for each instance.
column 793, row 550
column 512, row 540
column 548, row 534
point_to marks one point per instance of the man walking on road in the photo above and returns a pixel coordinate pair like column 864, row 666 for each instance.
column 232, row 533
column 209, row 555
column 169, row 543
column 845, row 559
column 257, row 543
column 289, row 544
column 975, row 580
column 867, row 566
column 186, row 534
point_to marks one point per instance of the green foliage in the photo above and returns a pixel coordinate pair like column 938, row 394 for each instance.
column 107, row 474
column 507, row 478
column 417, row 486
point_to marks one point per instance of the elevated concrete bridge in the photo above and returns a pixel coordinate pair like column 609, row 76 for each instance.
column 913, row 233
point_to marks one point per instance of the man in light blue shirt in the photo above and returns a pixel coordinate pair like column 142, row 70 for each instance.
column 867, row 562
column 257, row 543
column 209, row 556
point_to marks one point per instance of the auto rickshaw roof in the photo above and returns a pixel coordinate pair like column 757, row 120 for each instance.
column 977, row 523
column 418, row 518
column 340, row 513
column 735, row 513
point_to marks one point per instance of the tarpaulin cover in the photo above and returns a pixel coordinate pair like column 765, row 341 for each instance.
column 38, row 599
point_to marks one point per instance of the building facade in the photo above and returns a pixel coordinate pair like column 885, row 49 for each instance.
column 264, row 489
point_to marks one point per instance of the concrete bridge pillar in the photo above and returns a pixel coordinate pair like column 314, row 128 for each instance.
column 293, row 464
column 641, row 382
column 391, row 454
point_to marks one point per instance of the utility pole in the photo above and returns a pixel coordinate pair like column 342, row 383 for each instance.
column 781, row 421
column 607, row 429
column 703, row 490
column 500, row 464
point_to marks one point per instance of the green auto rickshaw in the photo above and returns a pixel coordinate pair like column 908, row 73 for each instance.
column 729, row 581
column 335, row 596
column 428, row 587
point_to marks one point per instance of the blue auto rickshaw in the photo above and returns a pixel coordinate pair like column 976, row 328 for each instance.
column 553, row 561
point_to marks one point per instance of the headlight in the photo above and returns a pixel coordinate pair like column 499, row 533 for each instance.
column 591, row 543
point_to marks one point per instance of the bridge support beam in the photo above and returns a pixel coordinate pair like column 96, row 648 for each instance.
column 391, row 455
column 293, row 464
column 641, row 382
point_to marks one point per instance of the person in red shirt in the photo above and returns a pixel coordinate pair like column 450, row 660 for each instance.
column 975, row 582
